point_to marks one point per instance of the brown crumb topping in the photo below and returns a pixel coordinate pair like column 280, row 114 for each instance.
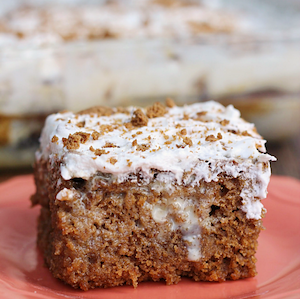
column 54, row 139
column 128, row 126
column 180, row 145
column 169, row 3
column 186, row 116
column 139, row 119
column 74, row 140
column 212, row 138
column 142, row 147
column 96, row 135
column 123, row 110
column 201, row 113
column 201, row 116
column 170, row 103
column 80, row 124
column 245, row 133
column 109, row 144
column 99, row 152
column 204, row 27
column 99, row 110
column 156, row 110
column 183, row 132
column 224, row 122
column 188, row 141
column 112, row 160
column 107, row 128
column 63, row 111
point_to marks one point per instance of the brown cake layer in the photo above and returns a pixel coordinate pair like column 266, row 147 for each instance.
column 102, row 233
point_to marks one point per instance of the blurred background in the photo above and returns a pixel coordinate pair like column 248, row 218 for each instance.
column 73, row 54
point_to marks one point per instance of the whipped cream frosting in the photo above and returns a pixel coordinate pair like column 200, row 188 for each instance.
column 187, row 143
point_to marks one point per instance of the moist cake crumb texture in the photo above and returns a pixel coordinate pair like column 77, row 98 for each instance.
column 133, row 194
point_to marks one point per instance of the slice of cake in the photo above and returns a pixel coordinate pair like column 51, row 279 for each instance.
column 129, row 195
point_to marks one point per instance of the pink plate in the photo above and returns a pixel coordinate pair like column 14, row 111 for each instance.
column 22, row 274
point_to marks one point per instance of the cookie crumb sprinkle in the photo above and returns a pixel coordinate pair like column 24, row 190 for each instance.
column 99, row 152
column 128, row 126
column 54, row 139
column 98, row 110
column 74, row 140
column 109, row 144
column 224, row 122
column 129, row 163
column 183, row 132
column 186, row 116
column 142, row 147
column 211, row 138
column 245, row 133
column 80, row 124
column 112, row 160
column 188, row 141
column 139, row 119
column 96, row 135
column 156, row 110
column 170, row 103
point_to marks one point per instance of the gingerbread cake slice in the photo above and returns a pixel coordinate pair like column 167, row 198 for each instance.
column 157, row 193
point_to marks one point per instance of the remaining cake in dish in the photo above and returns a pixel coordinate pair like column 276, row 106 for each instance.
column 117, row 53
column 164, row 192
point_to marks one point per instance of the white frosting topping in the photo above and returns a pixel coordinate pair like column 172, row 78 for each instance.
column 188, row 143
